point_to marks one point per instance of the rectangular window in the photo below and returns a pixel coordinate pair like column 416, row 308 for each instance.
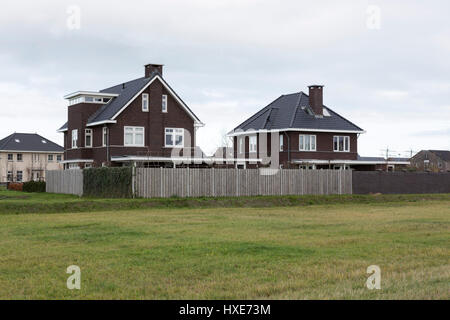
column 88, row 138
column 241, row 145
column 164, row 103
column 341, row 143
column 87, row 165
column 281, row 142
column 19, row 176
column 105, row 136
column 307, row 142
column 10, row 157
column 19, row 157
column 50, row 158
column 58, row 158
column 145, row 102
column 252, row 144
column 134, row 136
column 74, row 139
column 10, row 176
column 174, row 137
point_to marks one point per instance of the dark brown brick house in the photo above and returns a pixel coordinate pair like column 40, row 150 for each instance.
column 431, row 160
column 142, row 120
column 298, row 131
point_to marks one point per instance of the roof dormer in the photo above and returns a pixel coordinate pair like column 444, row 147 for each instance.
column 89, row 97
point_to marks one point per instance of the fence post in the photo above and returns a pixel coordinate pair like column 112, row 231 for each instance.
column 213, row 183
column 133, row 180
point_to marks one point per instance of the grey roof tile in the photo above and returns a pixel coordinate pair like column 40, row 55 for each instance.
column 28, row 142
column 126, row 92
column 443, row 154
column 293, row 111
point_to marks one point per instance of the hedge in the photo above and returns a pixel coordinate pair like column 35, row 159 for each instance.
column 34, row 186
column 108, row 182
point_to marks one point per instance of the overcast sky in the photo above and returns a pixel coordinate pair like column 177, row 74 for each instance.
column 385, row 65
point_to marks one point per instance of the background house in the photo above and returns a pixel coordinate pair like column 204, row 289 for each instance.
column 431, row 160
column 26, row 156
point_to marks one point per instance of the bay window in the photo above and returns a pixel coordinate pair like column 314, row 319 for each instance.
column 88, row 138
column 307, row 142
column 74, row 139
column 134, row 136
column 104, row 136
column 174, row 137
column 253, row 144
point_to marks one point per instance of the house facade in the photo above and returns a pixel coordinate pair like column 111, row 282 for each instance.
column 25, row 157
column 298, row 131
column 142, row 120
column 431, row 160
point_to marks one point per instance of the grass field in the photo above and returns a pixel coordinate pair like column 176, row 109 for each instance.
column 318, row 251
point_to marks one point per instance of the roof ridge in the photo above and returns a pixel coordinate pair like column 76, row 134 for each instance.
column 257, row 114
column 120, row 84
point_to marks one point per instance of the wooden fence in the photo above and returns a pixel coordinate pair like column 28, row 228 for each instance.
column 186, row 182
column 67, row 181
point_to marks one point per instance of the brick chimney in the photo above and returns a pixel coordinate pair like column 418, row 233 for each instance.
column 151, row 67
column 316, row 99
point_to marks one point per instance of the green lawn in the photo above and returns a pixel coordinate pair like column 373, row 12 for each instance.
column 293, row 252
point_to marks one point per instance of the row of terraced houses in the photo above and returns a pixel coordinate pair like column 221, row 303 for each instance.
column 145, row 122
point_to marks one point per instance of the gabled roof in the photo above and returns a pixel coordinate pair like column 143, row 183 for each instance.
column 443, row 154
column 28, row 142
column 292, row 111
column 126, row 93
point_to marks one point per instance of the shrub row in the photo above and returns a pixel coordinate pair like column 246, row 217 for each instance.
column 34, row 186
column 108, row 182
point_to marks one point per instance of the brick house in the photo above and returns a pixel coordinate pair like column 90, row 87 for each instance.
column 26, row 156
column 142, row 120
column 298, row 131
column 431, row 160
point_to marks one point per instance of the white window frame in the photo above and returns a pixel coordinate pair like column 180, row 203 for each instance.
column 346, row 142
column 21, row 157
column 12, row 157
column 307, row 137
column 281, row 143
column 74, row 141
column 17, row 176
column 164, row 103
column 134, row 132
column 174, row 134
column 241, row 145
column 145, row 102
column 87, row 133
column 50, row 158
column 9, row 176
column 104, row 136
column 252, row 144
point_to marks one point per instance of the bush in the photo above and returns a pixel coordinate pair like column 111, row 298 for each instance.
column 16, row 186
column 34, row 186
column 108, row 182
